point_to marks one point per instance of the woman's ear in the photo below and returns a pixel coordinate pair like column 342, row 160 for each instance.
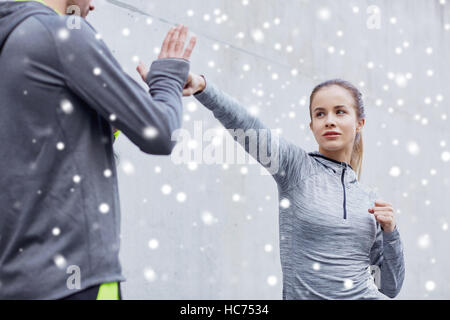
column 310, row 125
column 360, row 125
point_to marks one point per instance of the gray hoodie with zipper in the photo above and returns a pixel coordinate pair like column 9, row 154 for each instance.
column 60, row 91
column 328, row 239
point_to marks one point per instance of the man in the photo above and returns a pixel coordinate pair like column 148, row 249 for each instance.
column 61, row 91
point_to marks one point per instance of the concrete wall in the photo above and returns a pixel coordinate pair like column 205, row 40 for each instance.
column 170, row 250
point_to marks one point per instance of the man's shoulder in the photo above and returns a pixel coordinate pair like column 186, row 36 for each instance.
column 64, row 26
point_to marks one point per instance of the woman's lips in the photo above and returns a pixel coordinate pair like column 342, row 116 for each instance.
column 331, row 136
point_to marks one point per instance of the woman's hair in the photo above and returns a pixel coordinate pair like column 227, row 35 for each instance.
column 357, row 153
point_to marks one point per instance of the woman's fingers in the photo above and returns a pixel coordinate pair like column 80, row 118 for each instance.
column 142, row 70
column 385, row 219
column 190, row 48
column 381, row 209
column 381, row 203
column 377, row 209
column 188, row 92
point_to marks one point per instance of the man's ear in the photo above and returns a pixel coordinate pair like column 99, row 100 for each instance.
column 310, row 125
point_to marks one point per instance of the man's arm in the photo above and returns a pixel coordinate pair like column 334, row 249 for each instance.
column 147, row 118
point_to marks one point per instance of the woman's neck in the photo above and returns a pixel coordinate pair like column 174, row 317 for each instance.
column 342, row 155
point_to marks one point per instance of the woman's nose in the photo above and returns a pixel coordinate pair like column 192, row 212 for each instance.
column 330, row 121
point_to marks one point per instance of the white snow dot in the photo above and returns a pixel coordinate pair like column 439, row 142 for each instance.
column 112, row 117
column 236, row 197
column 76, row 179
column 268, row 248
column 60, row 146
column 207, row 218
column 153, row 244
column 348, row 284
column 272, row 280
column 285, row 203
column 56, row 231
column 316, row 266
column 445, row 156
column 63, row 34
column 192, row 165
column 181, row 197
column 192, row 144
column 60, row 261
column 166, row 189
column 103, row 208
column 107, row 173
column 424, row 241
column 66, row 106
column 395, row 171
column 126, row 32
column 324, row 14
column 128, row 168
column 149, row 274
column 413, row 148
column 97, row 71
column 191, row 106
column 150, row 132
column 430, row 285
column 258, row 35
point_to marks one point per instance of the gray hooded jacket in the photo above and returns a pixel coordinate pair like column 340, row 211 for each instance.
column 60, row 91
column 328, row 239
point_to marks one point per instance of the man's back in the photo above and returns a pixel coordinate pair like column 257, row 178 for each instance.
column 59, row 203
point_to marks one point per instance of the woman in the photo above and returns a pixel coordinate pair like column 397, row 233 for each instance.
column 331, row 229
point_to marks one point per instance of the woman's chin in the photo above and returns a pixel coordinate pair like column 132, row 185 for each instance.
column 332, row 146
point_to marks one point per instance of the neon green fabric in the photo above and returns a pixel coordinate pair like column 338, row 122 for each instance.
column 108, row 291
column 116, row 133
column 41, row 1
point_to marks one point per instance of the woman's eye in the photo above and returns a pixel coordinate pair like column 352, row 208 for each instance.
column 319, row 114
column 341, row 111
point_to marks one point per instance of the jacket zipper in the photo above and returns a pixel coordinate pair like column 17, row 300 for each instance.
column 343, row 186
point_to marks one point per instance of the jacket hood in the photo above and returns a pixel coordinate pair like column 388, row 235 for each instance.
column 14, row 13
